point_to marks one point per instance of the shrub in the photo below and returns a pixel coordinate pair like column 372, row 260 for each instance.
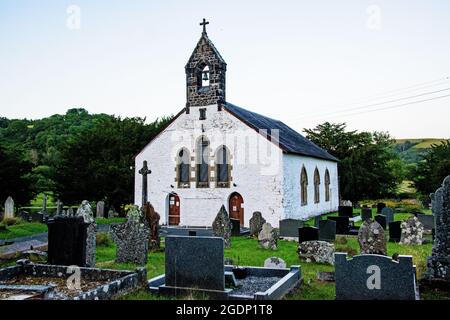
column 3, row 227
column 12, row 221
column 103, row 239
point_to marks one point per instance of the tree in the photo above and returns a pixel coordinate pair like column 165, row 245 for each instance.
column 431, row 171
column 15, row 175
column 97, row 163
column 368, row 167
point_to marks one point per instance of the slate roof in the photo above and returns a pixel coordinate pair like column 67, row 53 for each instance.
column 290, row 140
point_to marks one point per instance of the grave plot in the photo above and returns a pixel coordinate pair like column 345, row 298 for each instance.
column 28, row 281
column 196, row 264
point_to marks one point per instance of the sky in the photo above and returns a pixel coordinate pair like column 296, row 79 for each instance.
column 375, row 65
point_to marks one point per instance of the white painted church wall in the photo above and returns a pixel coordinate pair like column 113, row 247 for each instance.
column 261, row 186
column 291, row 185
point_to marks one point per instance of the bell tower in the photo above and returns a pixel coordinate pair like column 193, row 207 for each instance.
column 205, row 74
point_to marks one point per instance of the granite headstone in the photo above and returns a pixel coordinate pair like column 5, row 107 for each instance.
column 345, row 211
column 366, row 214
column 308, row 234
column 9, row 208
column 289, row 227
column 389, row 213
column 381, row 219
column 327, row 230
column 395, row 231
column 342, row 224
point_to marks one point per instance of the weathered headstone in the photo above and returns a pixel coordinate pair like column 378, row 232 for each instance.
column 389, row 213
column 268, row 237
column 366, row 214
column 345, row 211
column 371, row 238
column 427, row 220
column 235, row 227
column 256, row 223
column 9, row 208
column 380, row 206
column 316, row 251
column 274, row 262
column 195, row 262
column 289, row 227
column 375, row 277
column 342, row 224
column 152, row 217
column 100, row 213
column 438, row 265
column 222, row 227
column 381, row 219
column 327, row 230
column 44, row 204
column 144, row 171
column 308, row 234
column 59, row 208
column 85, row 211
column 395, row 231
column 412, row 231
column 132, row 238
column 112, row 213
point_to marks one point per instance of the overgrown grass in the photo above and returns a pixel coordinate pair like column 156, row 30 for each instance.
column 23, row 230
column 110, row 220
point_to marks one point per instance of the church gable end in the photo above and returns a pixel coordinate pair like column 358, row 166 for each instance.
column 205, row 74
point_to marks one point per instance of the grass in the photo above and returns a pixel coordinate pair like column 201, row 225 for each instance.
column 109, row 220
column 23, row 230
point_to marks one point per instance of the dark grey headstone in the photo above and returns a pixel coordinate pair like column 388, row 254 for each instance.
column 427, row 220
column 308, row 234
column 345, row 211
column 366, row 214
column 380, row 206
column 389, row 213
column 342, row 224
column 317, row 220
column 195, row 262
column 327, row 230
column 192, row 233
column 375, row 277
column 395, row 231
column 381, row 220
column 235, row 227
column 289, row 227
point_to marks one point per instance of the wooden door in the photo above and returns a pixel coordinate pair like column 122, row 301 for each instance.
column 235, row 207
column 174, row 210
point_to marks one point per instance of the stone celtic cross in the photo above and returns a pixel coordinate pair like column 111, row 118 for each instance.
column 144, row 171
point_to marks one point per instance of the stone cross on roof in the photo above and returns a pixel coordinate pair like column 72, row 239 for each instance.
column 203, row 24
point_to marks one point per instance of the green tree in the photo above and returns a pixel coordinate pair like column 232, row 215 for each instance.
column 432, row 169
column 97, row 163
column 368, row 166
column 15, row 176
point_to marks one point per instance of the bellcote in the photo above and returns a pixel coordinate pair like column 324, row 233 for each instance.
column 205, row 74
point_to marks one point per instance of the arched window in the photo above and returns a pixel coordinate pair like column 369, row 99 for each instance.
column 222, row 167
column 327, row 185
column 304, row 187
column 316, row 186
column 202, row 162
column 183, row 168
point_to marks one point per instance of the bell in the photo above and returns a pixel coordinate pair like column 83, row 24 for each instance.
column 205, row 76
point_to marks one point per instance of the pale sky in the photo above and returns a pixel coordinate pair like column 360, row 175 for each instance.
column 302, row 62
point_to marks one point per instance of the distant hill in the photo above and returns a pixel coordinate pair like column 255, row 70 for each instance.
column 410, row 150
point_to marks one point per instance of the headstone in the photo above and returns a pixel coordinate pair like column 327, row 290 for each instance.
column 256, row 223
column 144, row 171
column 427, row 220
column 59, row 208
column 371, row 238
column 268, row 237
column 389, row 213
column 44, row 204
column 274, row 262
column 346, row 203
column 112, row 213
column 70, row 212
column 289, row 227
column 316, row 251
column 308, row 234
column 85, row 211
column 71, row 241
column 380, row 206
column 366, row 214
column 375, row 277
column 9, row 208
column 395, row 231
column 100, row 209
column 132, row 238
column 152, row 217
column 342, row 224
column 381, row 219
column 438, row 265
column 412, row 232
column 317, row 220
column 345, row 211
column 192, row 233
column 235, row 227
column 195, row 262
column 327, row 230
column 222, row 227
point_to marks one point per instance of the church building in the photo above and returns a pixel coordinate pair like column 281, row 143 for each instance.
column 215, row 153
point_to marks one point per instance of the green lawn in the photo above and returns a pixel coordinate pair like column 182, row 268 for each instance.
column 22, row 230
column 109, row 220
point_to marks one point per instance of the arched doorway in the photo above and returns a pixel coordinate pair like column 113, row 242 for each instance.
column 174, row 210
column 235, row 207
